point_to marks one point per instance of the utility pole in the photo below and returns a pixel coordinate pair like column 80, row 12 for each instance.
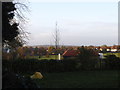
column 56, row 38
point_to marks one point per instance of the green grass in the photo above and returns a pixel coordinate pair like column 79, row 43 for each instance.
column 83, row 79
column 50, row 57
column 44, row 57
column 117, row 54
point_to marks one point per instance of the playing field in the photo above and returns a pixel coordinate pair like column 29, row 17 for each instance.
column 83, row 79
column 45, row 57
column 117, row 54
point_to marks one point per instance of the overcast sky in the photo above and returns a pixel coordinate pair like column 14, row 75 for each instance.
column 79, row 23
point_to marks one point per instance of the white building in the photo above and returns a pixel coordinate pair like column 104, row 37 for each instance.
column 101, row 55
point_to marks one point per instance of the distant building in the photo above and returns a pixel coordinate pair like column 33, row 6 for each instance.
column 108, row 50
column 70, row 54
column 101, row 56
column 114, row 48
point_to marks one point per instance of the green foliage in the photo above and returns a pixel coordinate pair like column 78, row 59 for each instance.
column 14, row 80
column 88, row 58
column 112, row 62
column 33, row 65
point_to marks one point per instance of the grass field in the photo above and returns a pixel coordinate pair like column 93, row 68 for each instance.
column 117, row 54
column 45, row 57
column 84, row 79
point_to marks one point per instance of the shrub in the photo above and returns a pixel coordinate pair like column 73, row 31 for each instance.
column 88, row 58
column 112, row 62
column 14, row 80
column 32, row 65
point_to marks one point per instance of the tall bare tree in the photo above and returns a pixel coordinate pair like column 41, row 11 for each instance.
column 13, row 19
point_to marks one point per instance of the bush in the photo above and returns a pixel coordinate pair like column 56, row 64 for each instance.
column 88, row 58
column 112, row 62
column 14, row 80
column 32, row 65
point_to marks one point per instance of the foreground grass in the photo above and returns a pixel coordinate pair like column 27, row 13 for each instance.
column 84, row 79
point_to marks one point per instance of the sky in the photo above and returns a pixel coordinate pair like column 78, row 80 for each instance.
column 79, row 23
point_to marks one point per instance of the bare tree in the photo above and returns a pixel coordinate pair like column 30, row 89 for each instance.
column 13, row 22
column 13, row 19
